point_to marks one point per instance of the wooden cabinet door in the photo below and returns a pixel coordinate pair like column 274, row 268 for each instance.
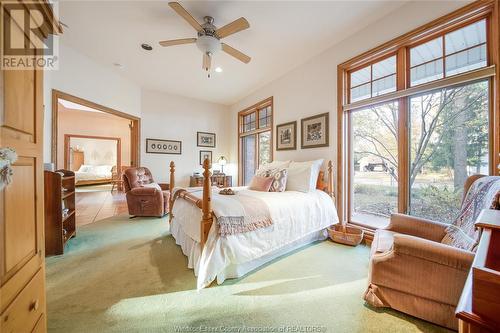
column 21, row 202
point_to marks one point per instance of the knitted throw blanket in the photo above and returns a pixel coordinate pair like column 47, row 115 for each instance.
column 240, row 213
column 237, row 213
column 462, row 232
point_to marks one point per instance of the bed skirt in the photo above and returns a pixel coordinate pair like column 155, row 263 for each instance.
column 192, row 250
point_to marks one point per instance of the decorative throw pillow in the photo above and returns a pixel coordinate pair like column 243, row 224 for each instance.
column 321, row 184
column 260, row 183
column 153, row 185
column 262, row 173
column 279, row 177
column 272, row 166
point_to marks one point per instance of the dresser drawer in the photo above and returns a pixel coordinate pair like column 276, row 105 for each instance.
column 24, row 312
column 40, row 326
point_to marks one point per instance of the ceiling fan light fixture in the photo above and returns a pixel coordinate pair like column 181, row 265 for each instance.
column 208, row 44
column 209, row 37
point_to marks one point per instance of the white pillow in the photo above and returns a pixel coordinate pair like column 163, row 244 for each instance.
column 302, row 176
column 153, row 185
column 274, row 165
column 103, row 169
column 84, row 168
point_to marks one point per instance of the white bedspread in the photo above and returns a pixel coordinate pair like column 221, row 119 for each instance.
column 91, row 176
column 93, row 172
column 295, row 216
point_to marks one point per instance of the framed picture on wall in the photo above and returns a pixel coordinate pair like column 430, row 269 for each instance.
column 204, row 154
column 286, row 136
column 205, row 139
column 158, row 146
column 314, row 131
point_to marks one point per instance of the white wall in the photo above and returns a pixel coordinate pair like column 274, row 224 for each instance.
column 172, row 117
column 311, row 88
column 81, row 76
column 163, row 116
column 96, row 151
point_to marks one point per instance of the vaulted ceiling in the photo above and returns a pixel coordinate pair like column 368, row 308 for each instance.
column 282, row 35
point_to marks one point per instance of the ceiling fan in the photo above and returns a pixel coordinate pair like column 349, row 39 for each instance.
column 209, row 36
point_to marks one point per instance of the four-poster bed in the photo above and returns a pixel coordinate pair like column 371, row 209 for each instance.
column 294, row 219
column 204, row 204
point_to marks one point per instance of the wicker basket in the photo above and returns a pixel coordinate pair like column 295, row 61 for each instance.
column 345, row 235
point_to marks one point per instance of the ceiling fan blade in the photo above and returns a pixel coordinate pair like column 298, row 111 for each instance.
column 177, row 41
column 185, row 15
column 207, row 61
column 235, row 53
column 233, row 27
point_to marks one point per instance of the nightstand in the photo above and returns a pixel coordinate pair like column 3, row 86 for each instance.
column 219, row 180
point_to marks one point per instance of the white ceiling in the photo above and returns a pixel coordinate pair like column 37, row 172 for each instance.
column 282, row 35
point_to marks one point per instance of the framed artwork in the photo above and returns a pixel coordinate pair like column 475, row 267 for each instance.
column 204, row 154
column 314, row 131
column 286, row 136
column 205, row 139
column 158, row 146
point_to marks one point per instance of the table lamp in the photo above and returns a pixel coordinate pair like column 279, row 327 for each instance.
column 222, row 161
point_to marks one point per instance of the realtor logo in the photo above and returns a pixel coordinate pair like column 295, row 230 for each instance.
column 23, row 43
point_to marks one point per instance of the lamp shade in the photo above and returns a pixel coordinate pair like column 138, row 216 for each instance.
column 222, row 160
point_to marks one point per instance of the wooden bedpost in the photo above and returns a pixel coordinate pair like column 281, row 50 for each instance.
column 330, row 180
column 171, row 186
column 206, row 207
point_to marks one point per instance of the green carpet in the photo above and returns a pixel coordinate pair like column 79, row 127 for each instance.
column 123, row 275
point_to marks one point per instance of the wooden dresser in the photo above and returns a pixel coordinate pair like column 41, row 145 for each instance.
column 220, row 180
column 22, row 266
column 478, row 310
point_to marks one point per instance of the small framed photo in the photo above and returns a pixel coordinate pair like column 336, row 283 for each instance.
column 204, row 154
column 314, row 131
column 205, row 139
column 158, row 146
column 286, row 136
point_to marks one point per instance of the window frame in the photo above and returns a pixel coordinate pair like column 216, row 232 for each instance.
column 474, row 12
column 256, row 108
column 370, row 82
column 443, row 56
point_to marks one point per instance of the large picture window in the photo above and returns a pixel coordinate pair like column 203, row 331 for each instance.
column 417, row 119
column 255, row 126
column 448, row 138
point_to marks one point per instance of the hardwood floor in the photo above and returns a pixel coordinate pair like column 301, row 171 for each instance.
column 97, row 203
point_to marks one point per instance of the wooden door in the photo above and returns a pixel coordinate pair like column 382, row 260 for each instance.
column 22, row 276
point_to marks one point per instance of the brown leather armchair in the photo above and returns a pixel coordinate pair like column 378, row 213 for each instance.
column 144, row 196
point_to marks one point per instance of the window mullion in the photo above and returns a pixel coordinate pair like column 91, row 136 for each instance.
column 403, row 155
column 444, row 55
column 403, row 141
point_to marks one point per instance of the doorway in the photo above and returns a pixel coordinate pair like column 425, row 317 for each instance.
column 97, row 144
column 85, row 105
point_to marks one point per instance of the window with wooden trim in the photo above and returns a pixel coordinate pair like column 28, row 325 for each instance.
column 373, row 80
column 417, row 117
column 255, row 134
column 456, row 52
